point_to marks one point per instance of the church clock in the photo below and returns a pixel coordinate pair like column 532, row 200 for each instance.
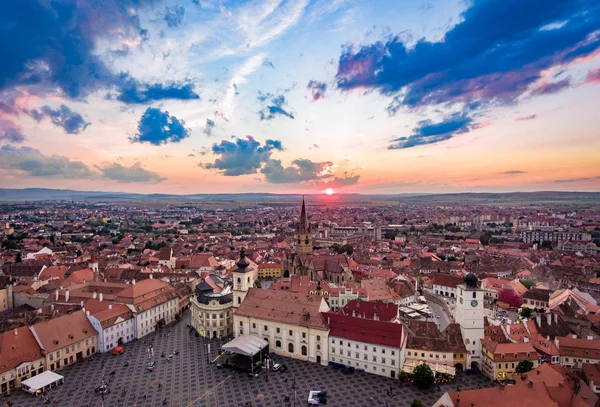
column 474, row 303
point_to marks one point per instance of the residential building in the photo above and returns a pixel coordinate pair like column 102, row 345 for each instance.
column 269, row 270
column 114, row 323
column 500, row 360
column 426, row 344
column 554, row 236
column 291, row 322
column 591, row 372
column 154, row 304
column 446, row 285
column 20, row 358
column 536, row 298
column 371, row 345
column 66, row 339
column 574, row 351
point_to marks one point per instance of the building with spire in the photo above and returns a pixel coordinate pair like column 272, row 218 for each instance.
column 303, row 238
column 469, row 315
column 243, row 279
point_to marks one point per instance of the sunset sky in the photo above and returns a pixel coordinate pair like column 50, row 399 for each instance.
column 202, row 96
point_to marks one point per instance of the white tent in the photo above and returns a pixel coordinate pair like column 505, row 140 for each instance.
column 42, row 382
column 245, row 345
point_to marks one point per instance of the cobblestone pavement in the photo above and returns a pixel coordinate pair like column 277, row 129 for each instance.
column 188, row 380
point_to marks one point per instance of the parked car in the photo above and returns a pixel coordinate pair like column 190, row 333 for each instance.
column 151, row 365
column 119, row 350
column 276, row 367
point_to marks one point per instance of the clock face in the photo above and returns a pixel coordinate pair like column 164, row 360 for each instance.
column 474, row 303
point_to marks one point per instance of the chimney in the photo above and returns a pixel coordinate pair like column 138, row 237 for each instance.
column 525, row 339
column 87, row 313
column 508, row 329
column 52, row 307
column 328, row 320
column 16, row 332
column 83, row 309
column 375, row 317
column 556, row 343
column 538, row 320
column 67, row 296
column 95, row 295
column 151, row 277
column 133, row 281
column 100, row 297
column 556, row 318
column 81, row 304
column 109, row 306
column 574, row 336
column 590, row 337
column 531, row 384
column 549, row 318
column 353, row 313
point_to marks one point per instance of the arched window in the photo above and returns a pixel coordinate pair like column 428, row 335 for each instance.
column 474, row 294
column 248, row 280
column 239, row 300
column 291, row 347
column 304, row 351
column 318, row 347
column 241, row 331
column 278, row 344
column 239, row 280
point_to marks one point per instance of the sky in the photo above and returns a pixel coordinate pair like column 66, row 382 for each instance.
column 344, row 96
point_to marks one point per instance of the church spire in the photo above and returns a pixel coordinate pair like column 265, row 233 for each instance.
column 303, row 226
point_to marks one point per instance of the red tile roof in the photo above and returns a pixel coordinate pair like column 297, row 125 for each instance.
column 368, row 309
column 19, row 348
column 364, row 330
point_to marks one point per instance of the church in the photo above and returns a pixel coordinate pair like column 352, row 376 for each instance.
column 302, row 262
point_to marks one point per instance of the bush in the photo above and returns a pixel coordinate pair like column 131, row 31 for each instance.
column 524, row 366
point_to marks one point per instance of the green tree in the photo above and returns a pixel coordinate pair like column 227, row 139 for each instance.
column 546, row 244
column 403, row 377
column 528, row 283
column 257, row 284
column 485, row 238
column 525, row 312
column 10, row 244
column 524, row 366
column 416, row 403
column 423, row 376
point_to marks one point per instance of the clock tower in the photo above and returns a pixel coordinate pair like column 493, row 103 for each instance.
column 469, row 315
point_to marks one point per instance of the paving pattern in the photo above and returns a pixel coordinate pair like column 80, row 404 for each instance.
column 188, row 380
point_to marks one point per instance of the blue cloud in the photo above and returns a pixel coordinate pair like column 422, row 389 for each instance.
column 267, row 63
column 208, row 129
column 135, row 173
column 56, row 43
column 548, row 88
column 159, row 127
column 32, row 162
column 428, row 132
column 133, row 91
column 70, row 121
column 494, row 54
column 299, row 171
column 242, row 156
column 10, row 131
column 274, row 106
column 174, row 15
column 317, row 89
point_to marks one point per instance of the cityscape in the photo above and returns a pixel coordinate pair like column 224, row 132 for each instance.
column 279, row 203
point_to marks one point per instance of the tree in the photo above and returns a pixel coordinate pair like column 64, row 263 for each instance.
column 423, row 376
column 546, row 244
column 257, row 284
column 485, row 238
column 528, row 283
column 10, row 244
column 19, row 258
column 524, row 366
column 403, row 377
column 525, row 312
column 416, row 403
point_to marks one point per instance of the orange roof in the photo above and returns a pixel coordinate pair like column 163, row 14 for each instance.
column 63, row 331
column 18, row 346
column 80, row 276
column 512, row 396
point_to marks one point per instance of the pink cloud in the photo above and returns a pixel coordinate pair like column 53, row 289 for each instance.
column 593, row 76
column 522, row 118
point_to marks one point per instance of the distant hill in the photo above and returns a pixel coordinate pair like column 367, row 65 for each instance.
column 508, row 198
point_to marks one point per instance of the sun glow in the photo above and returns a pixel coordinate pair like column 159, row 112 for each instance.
column 329, row 191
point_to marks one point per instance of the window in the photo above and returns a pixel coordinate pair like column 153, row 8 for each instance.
column 290, row 333
column 382, row 360
column 366, row 357
column 499, row 365
column 408, row 353
column 278, row 330
column 318, row 337
column 253, row 326
column 291, row 347
column 278, row 344
column 374, row 358
column 383, row 351
column 393, row 362
column 241, row 323
column 318, row 347
column 266, row 328
column 349, row 353
column 303, row 335
column 332, row 350
column 239, row 300
column 422, row 355
column 332, row 341
column 239, row 280
column 475, row 294
column 305, row 351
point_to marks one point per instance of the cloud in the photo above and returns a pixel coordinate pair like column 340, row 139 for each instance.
column 36, row 164
column 512, row 172
column 317, row 89
column 340, row 182
column 159, row 127
column 570, row 180
column 274, row 106
column 548, row 88
column 135, row 173
column 10, row 131
column 174, row 15
column 299, row 171
column 208, row 129
column 242, row 156
column 523, row 118
column 476, row 61
column 593, row 76
column 70, row 121
column 428, row 132
column 133, row 91
column 56, row 43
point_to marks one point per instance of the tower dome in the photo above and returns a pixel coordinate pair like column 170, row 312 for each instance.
column 470, row 280
column 243, row 262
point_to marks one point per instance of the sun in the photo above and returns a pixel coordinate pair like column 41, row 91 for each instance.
column 329, row 191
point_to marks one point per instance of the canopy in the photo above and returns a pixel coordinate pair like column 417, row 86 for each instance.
column 245, row 345
column 40, row 381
